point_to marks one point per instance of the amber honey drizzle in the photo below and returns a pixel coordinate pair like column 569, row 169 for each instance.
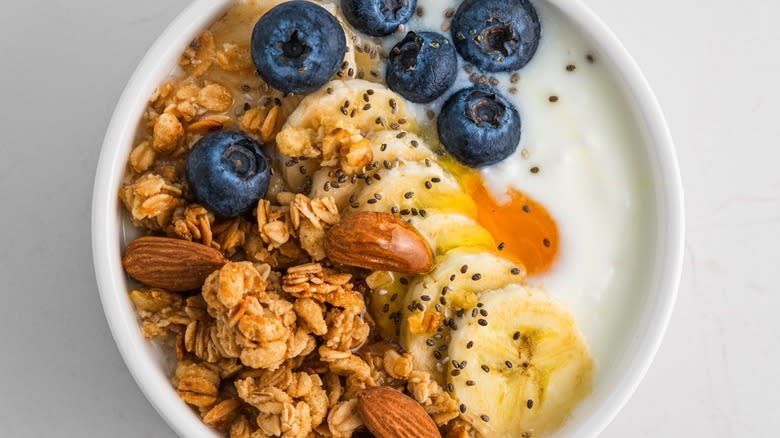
column 527, row 230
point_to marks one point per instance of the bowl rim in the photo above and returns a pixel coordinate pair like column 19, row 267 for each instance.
column 121, row 133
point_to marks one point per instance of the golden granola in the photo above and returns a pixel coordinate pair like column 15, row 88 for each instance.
column 277, row 342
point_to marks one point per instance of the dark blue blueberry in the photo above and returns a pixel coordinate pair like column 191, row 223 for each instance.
column 496, row 35
column 378, row 17
column 228, row 173
column 298, row 46
column 422, row 66
column 479, row 127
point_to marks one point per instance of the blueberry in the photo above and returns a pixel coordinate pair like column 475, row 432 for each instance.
column 378, row 17
column 496, row 35
column 228, row 173
column 298, row 47
column 479, row 127
column 422, row 66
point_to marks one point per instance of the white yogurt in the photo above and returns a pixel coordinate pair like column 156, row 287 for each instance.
column 587, row 147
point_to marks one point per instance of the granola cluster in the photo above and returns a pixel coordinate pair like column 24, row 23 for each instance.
column 265, row 354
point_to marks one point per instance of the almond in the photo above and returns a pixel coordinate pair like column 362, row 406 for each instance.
column 388, row 413
column 171, row 264
column 380, row 242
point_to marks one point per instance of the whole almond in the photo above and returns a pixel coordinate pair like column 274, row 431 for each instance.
column 378, row 241
column 388, row 413
column 171, row 264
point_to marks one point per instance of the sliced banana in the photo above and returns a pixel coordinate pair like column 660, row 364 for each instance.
column 343, row 124
column 436, row 303
column 325, row 182
column 386, row 301
column 522, row 364
column 406, row 187
column 389, row 146
column 444, row 232
column 388, row 151
column 356, row 106
column 447, row 231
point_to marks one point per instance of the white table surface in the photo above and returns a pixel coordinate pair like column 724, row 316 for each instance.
column 714, row 64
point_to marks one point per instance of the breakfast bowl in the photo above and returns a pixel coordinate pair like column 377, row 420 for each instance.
column 595, row 151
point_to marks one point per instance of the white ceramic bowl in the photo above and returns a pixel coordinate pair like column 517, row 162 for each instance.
column 148, row 365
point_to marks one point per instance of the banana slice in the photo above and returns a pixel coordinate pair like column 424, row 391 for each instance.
column 444, row 232
column 403, row 146
column 325, row 182
column 436, row 303
column 356, row 106
column 386, row 301
column 447, row 231
column 522, row 364
column 336, row 125
column 387, row 149
column 405, row 187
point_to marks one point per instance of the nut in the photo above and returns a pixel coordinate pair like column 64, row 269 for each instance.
column 171, row 264
column 388, row 413
column 378, row 241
